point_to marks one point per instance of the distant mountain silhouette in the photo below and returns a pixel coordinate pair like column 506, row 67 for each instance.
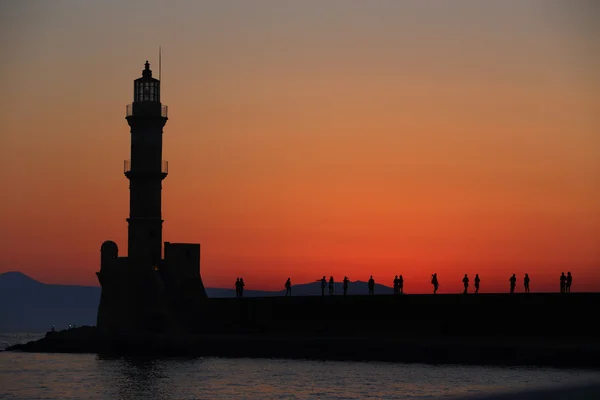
column 27, row 305
column 17, row 280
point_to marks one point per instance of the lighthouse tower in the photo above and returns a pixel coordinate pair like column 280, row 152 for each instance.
column 147, row 292
column 145, row 170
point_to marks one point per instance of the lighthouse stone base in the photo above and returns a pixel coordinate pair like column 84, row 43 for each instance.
column 140, row 299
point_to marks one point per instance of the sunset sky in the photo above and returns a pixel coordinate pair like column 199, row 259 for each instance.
column 310, row 138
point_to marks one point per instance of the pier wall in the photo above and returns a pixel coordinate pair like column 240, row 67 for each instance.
column 516, row 315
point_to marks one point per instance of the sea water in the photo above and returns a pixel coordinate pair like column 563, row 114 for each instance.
column 88, row 376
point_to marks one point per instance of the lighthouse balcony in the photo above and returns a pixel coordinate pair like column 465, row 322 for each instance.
column 143, row 170
column 145, row 109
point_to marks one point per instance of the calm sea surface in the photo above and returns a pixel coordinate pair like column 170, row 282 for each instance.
column 86, row 376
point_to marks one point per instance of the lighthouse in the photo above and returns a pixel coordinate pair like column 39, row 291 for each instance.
column 151, row 289
column 145, row 170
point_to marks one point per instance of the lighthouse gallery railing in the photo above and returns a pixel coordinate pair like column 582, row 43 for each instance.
column 164, row 167
column 164, row 110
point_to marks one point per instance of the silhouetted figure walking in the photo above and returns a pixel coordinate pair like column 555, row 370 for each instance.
column 466, row 283
column 323, row 281
column 346, row 280
column 237, row 287
column 331, row 285
column 242, row 284
column 396, row 290
column 435, row 283
column 288, row 287
column 371, row 286
column 513, row 283
column 526, row 283
column 401, row 284
column 477, row 280
column 569, row 281
column 563, row 283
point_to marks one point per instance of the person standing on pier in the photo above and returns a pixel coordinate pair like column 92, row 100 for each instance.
column 563, row 283
column 242, row 284
column 435, row 283
column 513, row 283
column 466, row 283
column 323, row 281
column 371, row 286
column 569, row 281
column 237, row 287
column 346, row 280
column 401, row 284
column 288, row 287
column 526, row 283
column 477, row 280
column 331, row 285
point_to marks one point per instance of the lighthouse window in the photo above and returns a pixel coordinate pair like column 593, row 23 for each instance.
column 152, row 95
column 146, row 91
column 139, row 91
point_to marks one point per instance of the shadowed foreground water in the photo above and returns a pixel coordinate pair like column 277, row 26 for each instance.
column 86, row 376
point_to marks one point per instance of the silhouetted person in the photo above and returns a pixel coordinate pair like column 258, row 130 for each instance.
column 569, row 281
column 526, row 283
column 435, row 283
column 396, row 290
column 401, row 284
column 237, row 287
column 242, row 284
column 331, row 285
column 323, row 284
column 346, row 280
column 513, row 283
column 563, row 283
column 466, row 283
column 371, row 286
column 288, row 287
column 477, row 280
column 53, row 329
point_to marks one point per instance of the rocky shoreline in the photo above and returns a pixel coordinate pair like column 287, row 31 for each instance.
column 576, row 352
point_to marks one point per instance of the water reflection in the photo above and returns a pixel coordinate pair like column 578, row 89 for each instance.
column 135, row 378
column 70, row 376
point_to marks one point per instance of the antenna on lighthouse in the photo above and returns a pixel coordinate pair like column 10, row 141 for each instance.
column 159, row 61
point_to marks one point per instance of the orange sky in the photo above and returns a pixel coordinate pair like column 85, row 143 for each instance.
column 310, row 138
